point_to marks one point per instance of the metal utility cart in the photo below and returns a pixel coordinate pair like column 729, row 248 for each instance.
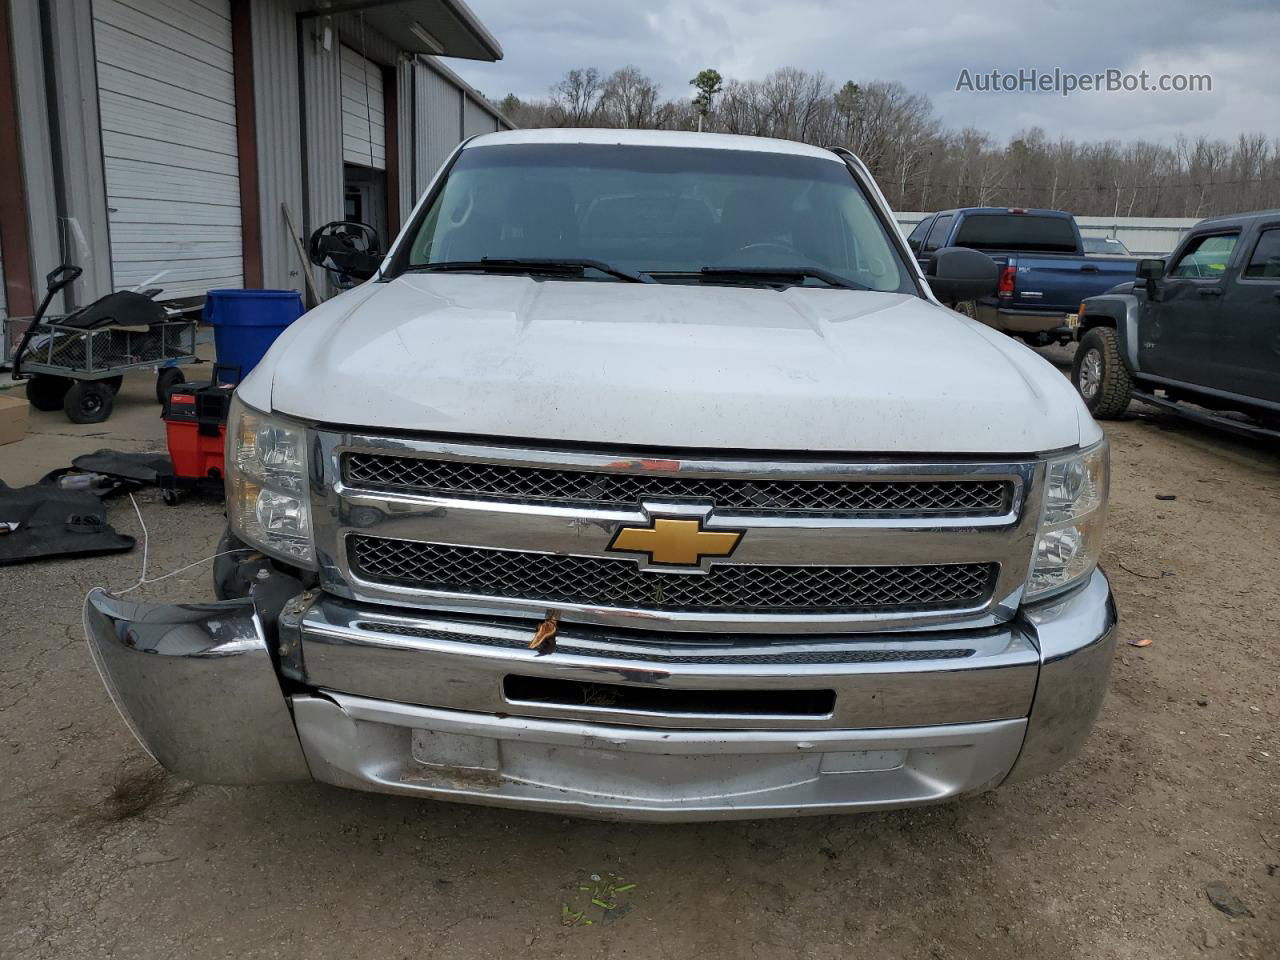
column 71, row 363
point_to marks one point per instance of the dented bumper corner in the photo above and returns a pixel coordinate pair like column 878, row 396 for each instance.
column 196, row 684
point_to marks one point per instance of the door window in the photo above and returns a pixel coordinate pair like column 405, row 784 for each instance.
column 1206, row 257
column 1264, row 263
column 941, row 227
column 917, row 235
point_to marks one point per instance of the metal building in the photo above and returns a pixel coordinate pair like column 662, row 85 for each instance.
column 162, row 141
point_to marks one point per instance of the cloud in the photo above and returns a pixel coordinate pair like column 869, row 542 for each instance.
column 924, row 45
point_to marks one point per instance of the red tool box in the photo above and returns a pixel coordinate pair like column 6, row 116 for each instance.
column 195, row 419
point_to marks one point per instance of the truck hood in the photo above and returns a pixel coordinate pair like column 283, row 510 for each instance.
column 691, row 366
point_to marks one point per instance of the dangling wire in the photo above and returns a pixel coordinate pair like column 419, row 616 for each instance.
column 146, row 555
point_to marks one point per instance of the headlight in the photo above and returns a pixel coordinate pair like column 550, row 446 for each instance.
column 267, row 499
column 1075, row 508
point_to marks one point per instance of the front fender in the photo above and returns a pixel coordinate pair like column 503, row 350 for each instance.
column 1118, row 310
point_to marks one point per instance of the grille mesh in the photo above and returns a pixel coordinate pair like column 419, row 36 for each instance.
column 878, row 497
column 620, row 583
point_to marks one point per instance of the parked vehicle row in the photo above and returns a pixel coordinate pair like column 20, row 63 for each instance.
column 1202, row 327
column 1045, row 270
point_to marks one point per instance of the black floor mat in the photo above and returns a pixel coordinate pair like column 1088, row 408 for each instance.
column 43, row 521
column 143, row 468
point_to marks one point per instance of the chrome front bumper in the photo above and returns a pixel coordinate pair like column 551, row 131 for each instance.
column 408, row 703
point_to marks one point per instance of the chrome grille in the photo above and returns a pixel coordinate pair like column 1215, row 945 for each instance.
column 602, row 582
column 901, row 498
column 662, row 652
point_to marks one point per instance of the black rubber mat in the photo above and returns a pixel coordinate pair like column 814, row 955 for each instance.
column 42, row 521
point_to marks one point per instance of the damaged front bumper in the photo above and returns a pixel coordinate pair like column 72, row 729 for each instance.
column 197, row 686
column 404, row 702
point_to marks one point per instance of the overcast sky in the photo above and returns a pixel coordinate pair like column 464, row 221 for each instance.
column 924, row 44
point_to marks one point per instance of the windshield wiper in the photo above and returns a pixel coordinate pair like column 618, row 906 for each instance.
column 784, row 275
column 548, row 265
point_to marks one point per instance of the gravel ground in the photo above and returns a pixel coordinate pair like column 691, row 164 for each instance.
column 103, row 855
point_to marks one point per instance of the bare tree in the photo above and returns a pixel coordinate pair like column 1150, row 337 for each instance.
column 576, row 98
column 629, row 100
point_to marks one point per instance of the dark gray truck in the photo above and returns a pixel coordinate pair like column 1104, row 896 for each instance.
column 1044, row 270
column 1202, row 327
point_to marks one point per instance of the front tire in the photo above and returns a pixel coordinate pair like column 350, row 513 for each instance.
column 1100, row 376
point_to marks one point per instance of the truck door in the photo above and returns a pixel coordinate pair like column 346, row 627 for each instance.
column 1179, row 328
column 1249, row 340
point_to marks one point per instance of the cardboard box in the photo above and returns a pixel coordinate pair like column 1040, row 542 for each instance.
column 14, row 413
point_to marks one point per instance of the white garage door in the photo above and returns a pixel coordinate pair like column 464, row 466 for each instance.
column 363, row 127
column 167, row 100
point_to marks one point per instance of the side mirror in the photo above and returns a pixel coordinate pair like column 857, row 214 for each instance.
column 956, row 274
column 347, row 248
column 914, row 244
column 1150, row 269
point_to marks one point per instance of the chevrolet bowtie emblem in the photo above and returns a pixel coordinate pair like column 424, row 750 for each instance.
column 680, row 543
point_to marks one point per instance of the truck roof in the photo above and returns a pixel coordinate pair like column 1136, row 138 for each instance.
column 1030, row 211
column 1241, row 218
column 652, row 138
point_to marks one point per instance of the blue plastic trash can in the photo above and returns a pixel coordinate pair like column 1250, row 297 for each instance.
column 246, row 322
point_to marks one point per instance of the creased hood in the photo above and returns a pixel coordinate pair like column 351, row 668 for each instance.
column 699, row 367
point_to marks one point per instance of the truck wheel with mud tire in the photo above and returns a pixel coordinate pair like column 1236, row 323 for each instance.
column 1100, row 376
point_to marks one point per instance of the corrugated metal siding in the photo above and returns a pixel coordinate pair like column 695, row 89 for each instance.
column 476, row 119
column 278, row 125
column 33, row 121
column 430, row 106
column 322, row 79
column 407, row 140
column 81, row 226
column 364, row 136
column 364, row 40
column 166, row 98
column 438, row 119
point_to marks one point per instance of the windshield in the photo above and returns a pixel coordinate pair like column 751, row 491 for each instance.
column 664, row 212
column 1104, row 245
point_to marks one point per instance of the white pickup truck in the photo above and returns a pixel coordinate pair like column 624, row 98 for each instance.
column 647, row 478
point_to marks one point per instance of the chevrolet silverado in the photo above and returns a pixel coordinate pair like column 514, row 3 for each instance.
column 647, row 477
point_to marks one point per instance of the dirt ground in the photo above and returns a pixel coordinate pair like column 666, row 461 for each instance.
column 102, row 855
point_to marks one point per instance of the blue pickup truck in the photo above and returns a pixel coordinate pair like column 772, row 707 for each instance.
column 1044, row 271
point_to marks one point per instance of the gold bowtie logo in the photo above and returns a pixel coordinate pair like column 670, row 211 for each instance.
column 680, row 543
